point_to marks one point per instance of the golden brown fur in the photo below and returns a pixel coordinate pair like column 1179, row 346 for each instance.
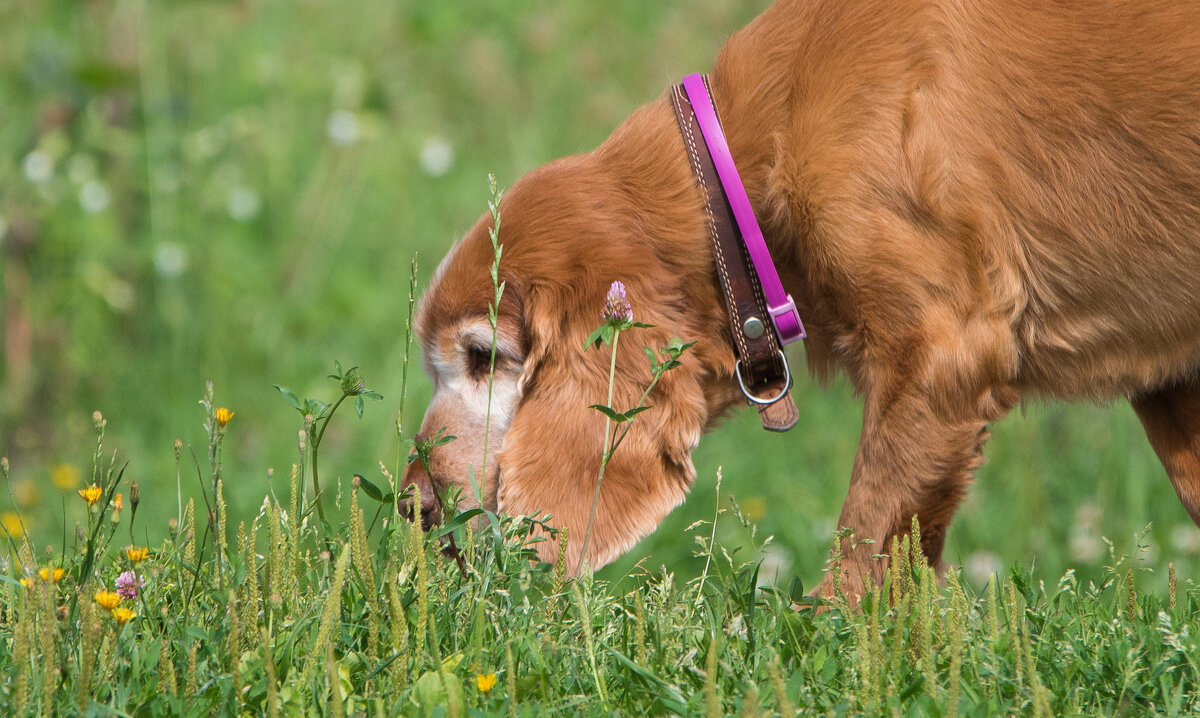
column 971, row 202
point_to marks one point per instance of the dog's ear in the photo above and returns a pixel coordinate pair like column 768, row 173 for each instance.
column 552, row 452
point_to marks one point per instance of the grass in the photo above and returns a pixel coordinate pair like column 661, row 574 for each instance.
column 368, row 617
column 242, row 203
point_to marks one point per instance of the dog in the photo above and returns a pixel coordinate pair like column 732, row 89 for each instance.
column 971, row 203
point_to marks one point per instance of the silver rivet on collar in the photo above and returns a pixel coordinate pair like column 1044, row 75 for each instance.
column 753, row 328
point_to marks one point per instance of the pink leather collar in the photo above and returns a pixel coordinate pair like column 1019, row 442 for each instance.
column 780, row 306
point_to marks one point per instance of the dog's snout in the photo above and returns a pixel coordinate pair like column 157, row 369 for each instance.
column 417, row 481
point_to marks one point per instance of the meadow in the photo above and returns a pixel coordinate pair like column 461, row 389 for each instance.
column 234, row 192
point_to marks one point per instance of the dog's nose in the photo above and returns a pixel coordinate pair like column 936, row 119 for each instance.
column 417, row 479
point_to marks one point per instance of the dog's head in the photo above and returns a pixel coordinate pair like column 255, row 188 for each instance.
column 630, row 212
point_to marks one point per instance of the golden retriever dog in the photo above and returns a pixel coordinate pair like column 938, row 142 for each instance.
column 971, row 203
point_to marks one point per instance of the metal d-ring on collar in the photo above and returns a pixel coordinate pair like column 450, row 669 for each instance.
column 787, row 383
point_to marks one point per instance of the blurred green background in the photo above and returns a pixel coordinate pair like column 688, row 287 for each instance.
column 233, row 191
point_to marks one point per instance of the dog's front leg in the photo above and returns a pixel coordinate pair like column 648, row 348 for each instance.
column 915, row 457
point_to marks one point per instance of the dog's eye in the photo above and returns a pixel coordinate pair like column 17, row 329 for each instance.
column 479, row 361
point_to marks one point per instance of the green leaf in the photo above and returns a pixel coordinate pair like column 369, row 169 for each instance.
column 607, row 411
column 603, row 334
column 635, row 411
column 370, row 489
column 290, row 397
column 458, row 520
column 796, row 589
column 669, row 695
column 751, row 602
column 358, row 406
column 317, row 408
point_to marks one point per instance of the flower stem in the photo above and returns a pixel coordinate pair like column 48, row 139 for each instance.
column 316, row 446
column 608, row 449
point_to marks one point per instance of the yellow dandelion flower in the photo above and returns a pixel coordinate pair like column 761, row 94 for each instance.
column 123, row 615
column 64, row 476
column 12, row 524
column 107, row 600
column 485, row 681
column 136, row 554
column 91, row 494
column 26, row 582
column 223, row 416
column 53, row 575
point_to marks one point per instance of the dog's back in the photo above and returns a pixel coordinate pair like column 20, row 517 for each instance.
column 1052, row 149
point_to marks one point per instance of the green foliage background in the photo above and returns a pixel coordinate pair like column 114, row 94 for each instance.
column 233, row 191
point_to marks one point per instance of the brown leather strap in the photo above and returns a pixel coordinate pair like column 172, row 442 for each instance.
column 763, row 368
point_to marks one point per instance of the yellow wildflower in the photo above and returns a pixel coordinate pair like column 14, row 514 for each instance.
column 12, row 524
column 26, row 582
column 91, row 494
column 123, row 615
column 136, row 554
column 53, row 575
column 223, row 416
column 117, row 504
column 107, row 600
column 64, row 476
column 485, row 682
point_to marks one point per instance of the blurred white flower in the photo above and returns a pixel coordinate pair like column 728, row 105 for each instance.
column 206, row 142
column 1085, row 544
column 775, row 564
column 170, row 259
column 822, row 529
column 38, row 166
column 736, row 627
column 1185, row 538
column 119, row 295
column 437, row 156
column 81, row 168
column 94, row 197
column 343, row 128
column 980, row 565
column 243, row 203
